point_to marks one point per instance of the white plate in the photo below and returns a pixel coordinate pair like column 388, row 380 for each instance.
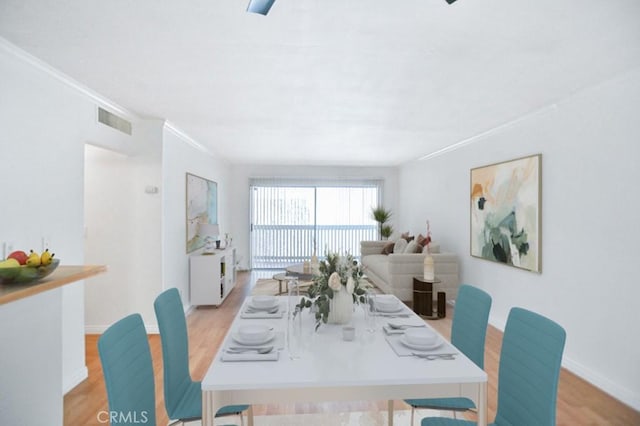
column 433, row 345
column 263, row 308
column 235, row 336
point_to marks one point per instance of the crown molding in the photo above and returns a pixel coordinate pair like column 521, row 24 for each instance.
column 552, row 107
column 44, row 67
column 185, row 137
column 478, row 137
column 25, row 57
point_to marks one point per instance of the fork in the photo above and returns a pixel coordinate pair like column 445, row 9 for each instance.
column 239, row 350
column 403, row 326
column 433, row 357
column 273, row 310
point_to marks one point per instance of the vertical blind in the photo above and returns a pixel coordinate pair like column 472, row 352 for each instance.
column 290, row 220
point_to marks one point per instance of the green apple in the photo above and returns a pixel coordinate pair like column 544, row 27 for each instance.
column 10, row 263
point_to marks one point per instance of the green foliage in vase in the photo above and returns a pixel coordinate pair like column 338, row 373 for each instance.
column 386, row 231
column 335, row 273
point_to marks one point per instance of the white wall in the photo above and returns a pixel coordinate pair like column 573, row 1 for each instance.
column 123, row 227
column 30, row 360
column 41, row 177
column 180, row 157
column 46, row 119
column 107, row 178
column 241, row 175
column 44, row 127
column 589, row 283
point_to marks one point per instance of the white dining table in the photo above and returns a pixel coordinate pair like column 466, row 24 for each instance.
column 331, row 369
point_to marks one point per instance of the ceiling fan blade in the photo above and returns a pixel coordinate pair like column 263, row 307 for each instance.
column 260, row 6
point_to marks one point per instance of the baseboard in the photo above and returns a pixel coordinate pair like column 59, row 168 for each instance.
column 74, row 379
column 99, row 329
column 613, row 389
column 618, row 392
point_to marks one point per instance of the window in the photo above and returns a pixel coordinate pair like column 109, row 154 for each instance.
column 289, row 220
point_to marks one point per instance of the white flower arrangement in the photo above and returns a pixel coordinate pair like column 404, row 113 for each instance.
column 335, row 273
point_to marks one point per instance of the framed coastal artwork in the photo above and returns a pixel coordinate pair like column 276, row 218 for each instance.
column 505, row 212
column 202, row 207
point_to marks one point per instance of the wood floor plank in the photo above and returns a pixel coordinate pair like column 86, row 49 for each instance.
column 579, row 403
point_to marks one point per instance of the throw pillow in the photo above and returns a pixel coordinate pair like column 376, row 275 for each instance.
column 400, row 245
column 423, row 241
column 413, row 247
column 388, row 248
column 407, row 237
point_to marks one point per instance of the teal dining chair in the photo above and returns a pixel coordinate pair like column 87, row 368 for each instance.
column 182, row 395
column 468, row 332
column 528, row 375
column 128, row 372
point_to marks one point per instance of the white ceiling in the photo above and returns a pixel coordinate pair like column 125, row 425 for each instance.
column 351, row 82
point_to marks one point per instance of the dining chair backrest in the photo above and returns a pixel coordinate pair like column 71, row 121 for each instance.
column 175, row 347
column 530, row 360
column 469, row 326
column 128, row 372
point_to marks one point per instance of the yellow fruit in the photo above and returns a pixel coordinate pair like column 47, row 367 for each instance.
column 46, row 258
column 33, row 259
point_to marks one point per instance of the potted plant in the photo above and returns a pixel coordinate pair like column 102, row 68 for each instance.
column 382, row 215
column 386, row 231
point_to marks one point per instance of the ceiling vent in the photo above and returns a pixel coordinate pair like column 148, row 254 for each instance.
column 110, row 119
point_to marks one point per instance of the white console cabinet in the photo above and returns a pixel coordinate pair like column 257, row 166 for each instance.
column 212, row 276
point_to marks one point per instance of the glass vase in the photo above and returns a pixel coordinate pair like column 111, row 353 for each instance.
column 294, row 319
column 369, row 308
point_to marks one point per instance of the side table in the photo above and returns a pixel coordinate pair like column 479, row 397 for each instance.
column 423, row 298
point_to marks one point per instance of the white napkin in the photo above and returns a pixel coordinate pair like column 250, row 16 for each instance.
column 411, row 323
column 261, row 315
column 249, row 312
column 389, row 330
column 401, row 350
column 250, row 356
column 277, row 342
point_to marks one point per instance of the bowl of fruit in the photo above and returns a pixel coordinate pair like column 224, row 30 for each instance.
column 20, row 267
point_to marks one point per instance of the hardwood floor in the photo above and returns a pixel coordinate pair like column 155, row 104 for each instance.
column 579, row 403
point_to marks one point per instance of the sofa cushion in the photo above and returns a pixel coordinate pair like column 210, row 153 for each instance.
column 422, row 240
column 400, row 245
column 388, row 248
column 413, row 247
column 407, row 237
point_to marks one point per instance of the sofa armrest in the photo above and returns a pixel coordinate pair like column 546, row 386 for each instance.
column 371, row 247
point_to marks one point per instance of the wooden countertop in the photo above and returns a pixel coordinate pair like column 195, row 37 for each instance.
column 63, row 275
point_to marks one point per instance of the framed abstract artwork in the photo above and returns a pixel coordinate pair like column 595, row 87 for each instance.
column 202, row 207
column 505, row 212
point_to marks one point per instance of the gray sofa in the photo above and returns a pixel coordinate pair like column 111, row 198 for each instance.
column 393, row 273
